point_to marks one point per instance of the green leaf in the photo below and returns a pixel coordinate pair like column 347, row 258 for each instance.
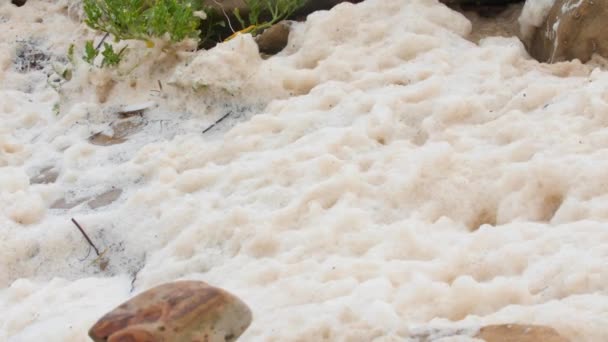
column 143, row 19
column 70, row 54
column 110, row 57
column 276, row 9
column 90, row 52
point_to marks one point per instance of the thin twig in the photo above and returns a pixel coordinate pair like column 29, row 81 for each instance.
column 225, row 15
column 217, row 122
column 135, row 274
column 86, row 237
column 102, row 40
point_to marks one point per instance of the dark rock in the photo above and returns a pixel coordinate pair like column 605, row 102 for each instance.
column 573, row 29
column 480, row 2
column 274, row 39
column 18, row 3
column 318, row 5
column 178, row 311
column 484, row 8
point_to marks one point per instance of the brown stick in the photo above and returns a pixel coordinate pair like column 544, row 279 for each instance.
column 217, row 122
column 86, row 237
column 101, row 41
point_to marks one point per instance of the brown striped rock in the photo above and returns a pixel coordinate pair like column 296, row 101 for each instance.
column 573, row 29
column 519, row 333
column 182, row 311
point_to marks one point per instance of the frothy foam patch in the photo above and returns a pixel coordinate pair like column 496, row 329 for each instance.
column 386, row 177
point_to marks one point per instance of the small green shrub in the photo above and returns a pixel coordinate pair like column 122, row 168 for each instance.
column 174, row 20
column 143, row 19
column 90, row 52
column 276, row 10
column 110, row 57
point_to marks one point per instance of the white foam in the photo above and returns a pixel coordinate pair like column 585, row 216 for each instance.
column 381, row 176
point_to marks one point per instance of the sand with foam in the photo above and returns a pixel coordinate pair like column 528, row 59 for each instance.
column 382, row 176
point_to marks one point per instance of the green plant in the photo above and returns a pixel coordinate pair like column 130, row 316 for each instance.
column 110, row 57
column 277, row 10
column 70, row 53
column 173, row 17
column 174, row 20
column 90, row 52
column 143, row 19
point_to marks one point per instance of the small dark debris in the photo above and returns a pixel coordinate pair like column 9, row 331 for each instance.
column 29, row 57
column 222, row 118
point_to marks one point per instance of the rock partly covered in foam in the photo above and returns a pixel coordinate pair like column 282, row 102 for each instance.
column 491, row 333
column 519, row 333
column 573, row 29
column 480, row 2
column 181, row 311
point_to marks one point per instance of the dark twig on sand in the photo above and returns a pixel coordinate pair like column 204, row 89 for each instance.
column 217, row 122
column 225, row 15
column 86, row 237
column 101, row 41
column 136, row 273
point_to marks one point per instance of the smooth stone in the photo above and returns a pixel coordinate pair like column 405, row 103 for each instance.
column 274, row 39
column 181, row 311
column 573, row 29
